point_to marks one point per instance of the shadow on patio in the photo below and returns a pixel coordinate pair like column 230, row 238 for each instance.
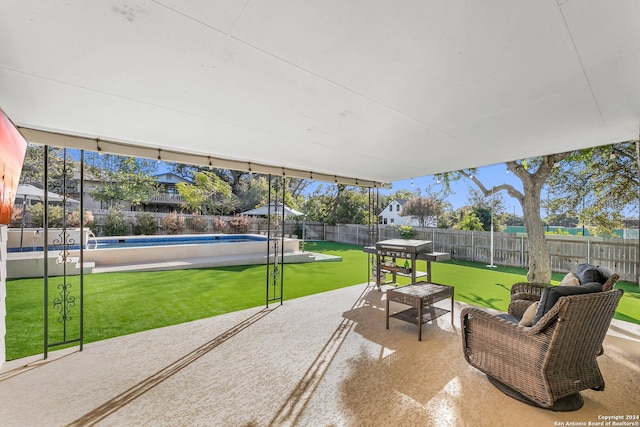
column 321, row 360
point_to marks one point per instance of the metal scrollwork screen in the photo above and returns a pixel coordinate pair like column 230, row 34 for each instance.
column 275, row 237
column 373, row 221
column 63, row 250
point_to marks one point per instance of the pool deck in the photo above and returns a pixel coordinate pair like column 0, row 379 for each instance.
column 219, row 261
column 321, row 360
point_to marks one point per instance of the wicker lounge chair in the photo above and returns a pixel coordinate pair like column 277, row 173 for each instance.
column 548, row 364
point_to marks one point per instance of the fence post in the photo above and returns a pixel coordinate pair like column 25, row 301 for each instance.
column 588, row 251
column 473, row 250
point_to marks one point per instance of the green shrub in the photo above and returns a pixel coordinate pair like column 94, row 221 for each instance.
column 146, row 224
column 239, row 224
column 170, row 223
column 406, row 232
column 173, row 223
column 116, row 223
column 182, row 223
column 37, row 215
column 73, row 218
column 198, row 224
column 220, row 225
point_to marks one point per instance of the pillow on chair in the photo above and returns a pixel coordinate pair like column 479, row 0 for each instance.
column 587, row 273
column 570, row 280
column 552, row 294
column 529, row 314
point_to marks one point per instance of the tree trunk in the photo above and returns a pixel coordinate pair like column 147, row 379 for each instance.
column 539, row 258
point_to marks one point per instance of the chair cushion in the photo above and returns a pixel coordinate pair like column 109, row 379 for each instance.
column 510, row 317
column 587, row 273
column 570, row 280
column 529, row 314
column 552, row 294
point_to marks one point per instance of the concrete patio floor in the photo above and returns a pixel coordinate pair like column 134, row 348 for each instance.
column 321, row 360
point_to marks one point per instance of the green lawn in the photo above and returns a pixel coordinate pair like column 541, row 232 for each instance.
column 123, row 303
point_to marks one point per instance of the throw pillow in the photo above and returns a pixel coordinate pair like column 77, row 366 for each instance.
column 587, row 273
column 529, row 314
column 552, row 294
column 570, row 280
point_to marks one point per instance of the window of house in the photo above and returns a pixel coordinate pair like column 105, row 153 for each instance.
column 392, row 220
column 391, row 208
column 385, row 221
column 397, row 208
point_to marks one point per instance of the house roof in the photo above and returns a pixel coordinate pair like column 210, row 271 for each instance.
column 353, row 92
column 171, row 178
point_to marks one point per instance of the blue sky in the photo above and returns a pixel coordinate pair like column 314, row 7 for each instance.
column 488, row 175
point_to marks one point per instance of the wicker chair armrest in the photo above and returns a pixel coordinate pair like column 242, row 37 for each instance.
column 523, row 294
column 482, row 315
column 610, row 283
column 489, row 342
column 527, row 290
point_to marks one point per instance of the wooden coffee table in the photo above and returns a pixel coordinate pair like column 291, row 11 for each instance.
column 420, row 297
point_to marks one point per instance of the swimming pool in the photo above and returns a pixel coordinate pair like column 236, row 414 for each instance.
column 194, row 249
column 144, row 241
column 153, row 253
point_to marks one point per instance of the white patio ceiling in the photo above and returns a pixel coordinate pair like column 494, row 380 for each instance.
column 375, row 90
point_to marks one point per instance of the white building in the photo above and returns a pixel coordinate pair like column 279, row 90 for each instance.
column 391, row 215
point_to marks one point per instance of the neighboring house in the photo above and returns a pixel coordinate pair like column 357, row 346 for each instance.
column 391, row 215
column 167, row 201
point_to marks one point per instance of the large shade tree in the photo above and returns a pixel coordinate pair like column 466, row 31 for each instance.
column 338, row 204
column 533, row 173
column 123, row 179
column 249, row 190
column 33, row 166
column 489, row 210
column 208, row 194
column 597, row 185
column 423, row 209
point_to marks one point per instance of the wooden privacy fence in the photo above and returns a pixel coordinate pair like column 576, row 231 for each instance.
column 509, row 249
column 292, row 226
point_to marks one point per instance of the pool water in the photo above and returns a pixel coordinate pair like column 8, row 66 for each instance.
column 134, row 242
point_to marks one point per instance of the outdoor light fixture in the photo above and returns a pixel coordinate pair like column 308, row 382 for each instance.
column 159, row 157
column 250, row 172
column 412, row 182
column 210, row 163
column 98, row 146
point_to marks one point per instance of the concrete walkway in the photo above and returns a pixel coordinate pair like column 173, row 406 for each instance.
column 321, row 360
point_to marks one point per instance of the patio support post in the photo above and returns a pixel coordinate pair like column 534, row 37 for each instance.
column 268, row 240
column 45, row 250
column 374, row 230
column 69, row 325
column 275, row 238
column 81, row 249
